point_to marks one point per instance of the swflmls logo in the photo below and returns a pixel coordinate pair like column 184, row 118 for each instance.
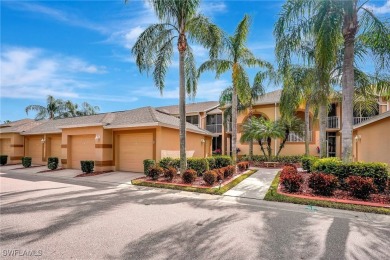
column 18, row 252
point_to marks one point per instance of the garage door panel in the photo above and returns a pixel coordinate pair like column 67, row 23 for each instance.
column 5, row 146
column 35, row 150
column 55, row 147
column 82, row 148
column 133, row 149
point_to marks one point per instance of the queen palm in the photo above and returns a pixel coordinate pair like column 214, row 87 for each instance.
column 154, row 49
column 237, row 57
column 333, row 23
column 54, row 109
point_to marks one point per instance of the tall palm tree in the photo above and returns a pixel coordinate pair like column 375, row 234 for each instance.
column 153, row 50
column 334, row 23
column 260, row 129
column 237, row 57
column 53, row 109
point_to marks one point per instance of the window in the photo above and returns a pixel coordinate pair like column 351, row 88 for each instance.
column 214, row 123
column 193, row 120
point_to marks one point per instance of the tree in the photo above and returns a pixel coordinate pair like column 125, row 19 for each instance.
column 260, row 129
column 54, row 109
column 290, row 124
column 153, row 50
column 237, row 57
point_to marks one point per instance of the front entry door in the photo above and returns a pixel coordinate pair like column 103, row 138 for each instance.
column 331, row 140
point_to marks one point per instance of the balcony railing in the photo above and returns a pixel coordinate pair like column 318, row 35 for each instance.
column 216, row 128
column 228, row 127
column 333, row 122
column 293, row 137
column 358, row 120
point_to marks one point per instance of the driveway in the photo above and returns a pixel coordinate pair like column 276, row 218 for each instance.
column 63, row 219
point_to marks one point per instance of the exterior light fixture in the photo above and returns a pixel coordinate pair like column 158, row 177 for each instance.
column 358, row 138
column 202, row 141
column 97, row 138
column 43, row 140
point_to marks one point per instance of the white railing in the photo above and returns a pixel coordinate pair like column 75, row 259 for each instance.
column 332, row 122
column 293, row 137
column 358, row 120
column 216, row 128
column 228, row 127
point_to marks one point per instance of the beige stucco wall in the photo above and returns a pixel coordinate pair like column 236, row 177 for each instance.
column 374, row 142
column 16, row 147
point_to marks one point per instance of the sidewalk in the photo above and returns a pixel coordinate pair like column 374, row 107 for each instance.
column 255, row 186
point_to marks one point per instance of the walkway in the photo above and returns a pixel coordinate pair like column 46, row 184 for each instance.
column 255, row 186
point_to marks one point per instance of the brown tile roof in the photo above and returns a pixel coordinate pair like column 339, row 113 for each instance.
column 16, row 123
column 190, row 108
column 21, row 126
column 144, row 116
column 269, row 98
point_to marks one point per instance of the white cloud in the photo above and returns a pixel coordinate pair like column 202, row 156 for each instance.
column 209, row 8
column 385, row 9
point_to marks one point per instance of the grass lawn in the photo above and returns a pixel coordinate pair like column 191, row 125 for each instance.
column 273, row 195
column 214, row 191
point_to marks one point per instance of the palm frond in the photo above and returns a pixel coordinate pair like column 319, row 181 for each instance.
column 190, row 72
column 217, row 65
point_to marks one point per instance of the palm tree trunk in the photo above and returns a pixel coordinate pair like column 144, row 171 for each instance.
column 269, row 149
column 322, row 113
column 251, row 141
column 182, row 113
column 281, row 146
column 234, row 124
column 350, row 27
column 307, row 128
column 262, row 147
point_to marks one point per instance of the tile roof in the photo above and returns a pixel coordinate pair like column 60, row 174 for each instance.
column 373, row 119
column 16, row 123
column 269, row 98
column 190, row 108
column 144, row 116
column 21, row 126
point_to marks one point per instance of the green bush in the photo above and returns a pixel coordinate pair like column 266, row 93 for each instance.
column 87, row 166
column 189, row 176
column 211, row 161
column 169, row 162
column 26, row 162
column 200, row 165
column 323, row 184
column 148, row 163
column 307, row 162
column 3, row 159
column 52, row 163
column 155, row 172
column 222, row 161
column 210, row 177
column 170, row 173
column 331, row 165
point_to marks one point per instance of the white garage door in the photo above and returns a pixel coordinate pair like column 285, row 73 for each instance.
column 133, row 150
column 82, row 149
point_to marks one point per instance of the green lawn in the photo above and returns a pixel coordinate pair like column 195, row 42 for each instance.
column 273, row 195
column 214, row 191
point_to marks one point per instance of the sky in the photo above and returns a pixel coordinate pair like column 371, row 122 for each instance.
column 81, row 51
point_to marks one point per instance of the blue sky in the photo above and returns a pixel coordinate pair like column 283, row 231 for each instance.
column 80, row 50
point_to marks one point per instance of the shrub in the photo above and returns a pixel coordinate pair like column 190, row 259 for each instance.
column 291, row 165
column 242, row 166
column 189, row 176
column 155, row 172
column 220, row 173
column 26, row 162
column 200, row 165
column 307, row 162
column 360, row 187
column 289, row 170
column 170, row 173
column 3, row 159
column 291, row 181
column 169, row 162
column 210, row 177
column 331, row 165
column 148, row 163
column 87, row 166
column 324, row 184
column 377, row 171
column 223, row 161
column 52, row 163
column 229, row 171
column 281, row 159
column 211, row 161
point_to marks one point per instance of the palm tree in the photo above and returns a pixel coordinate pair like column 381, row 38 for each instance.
column 87, row 109
column 237, row 57
column 153, row 49
column 53, row 109
column 334, row 23
column 72, row 109
column 290, row 124
column 260, row 129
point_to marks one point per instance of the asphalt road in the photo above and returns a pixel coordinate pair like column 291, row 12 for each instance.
column 62, row 219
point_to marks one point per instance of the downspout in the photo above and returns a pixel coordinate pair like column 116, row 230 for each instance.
column 275, row 138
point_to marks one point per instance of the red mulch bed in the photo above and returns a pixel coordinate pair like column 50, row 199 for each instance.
column 56, row 170
column 198, row 183
column 92, row 174
column 378, row 199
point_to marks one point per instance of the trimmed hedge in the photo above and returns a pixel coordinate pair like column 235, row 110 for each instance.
column 26, row 162
column 52, row 163
column 200, row 165
column 210, row 177
column 211, row 161
column 169, row 162
column 281, row 159
column 378, row 171
column 360, row 187
column 148, row 163
column 222, row 161
column 87, row 166
column 307, row 162
column 3, row 159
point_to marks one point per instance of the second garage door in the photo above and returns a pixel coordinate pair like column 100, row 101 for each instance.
column 133, row 149
column 82, row 148
column 34, row 149
column 5, row 146
column 55, row 147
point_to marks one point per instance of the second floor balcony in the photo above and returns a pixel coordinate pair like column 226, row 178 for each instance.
column 333, row 122
column 214, row 128
column 295, row 138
